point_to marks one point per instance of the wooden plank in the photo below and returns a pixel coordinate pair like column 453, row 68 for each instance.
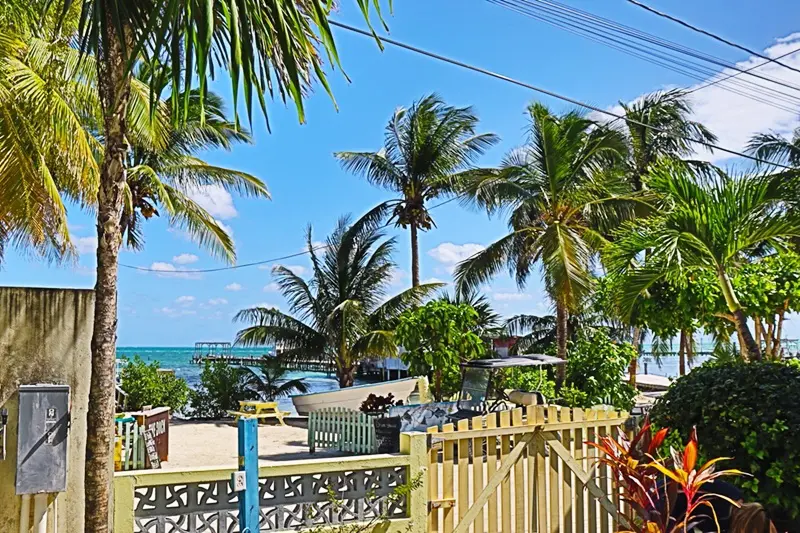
column 433, row 484
column 500, row 476
column 542, row 516
column 605, row 481
column 592, row 505
column 566, row 476
column 477, row 472
column 556, row 448
column 530, row 453
column 577, row 452
column 463, row 469
column 519, row 479
column 554, row 481
column 505, row 486
column 447, row 479
column 511, row 430
column 491, row 468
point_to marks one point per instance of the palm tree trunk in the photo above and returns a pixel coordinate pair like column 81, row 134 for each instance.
column 561, row 338
column 414, row 255
column 749, row 345
column 633, row 367
column 683, row 348
column 114, row 89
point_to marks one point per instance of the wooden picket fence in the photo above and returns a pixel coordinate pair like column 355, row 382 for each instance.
column 132, row 454
column 524, row 470
column 343, row 429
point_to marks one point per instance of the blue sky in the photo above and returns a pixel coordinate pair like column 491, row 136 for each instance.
column 309, row 187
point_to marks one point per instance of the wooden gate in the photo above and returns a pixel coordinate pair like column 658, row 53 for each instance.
column 523, row 471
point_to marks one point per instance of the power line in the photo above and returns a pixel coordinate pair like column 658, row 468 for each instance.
column 254, row 263
column 550, row 93
column 738, row 73
column 712, row 35
column 649, row 47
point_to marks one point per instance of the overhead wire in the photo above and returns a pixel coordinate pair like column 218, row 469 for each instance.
column 485, row 72
column 253, row 263
column 711, row 35
column 652, row 49
column 724, row 78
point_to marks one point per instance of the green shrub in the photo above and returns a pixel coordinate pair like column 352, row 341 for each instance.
column 595, row 371
column 751, row 413
column 222, row 387
column 145, row 385
column 529, row 380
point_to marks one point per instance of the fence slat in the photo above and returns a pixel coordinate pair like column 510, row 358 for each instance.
column 594, row 505
column 554, row 480
column 447, row 479
column 463, row 470
column 505, row 487
column 578, row 453
column 433, row 485
column 566, row 475
column 491, row 468
column 519, row 478
column 477, row 471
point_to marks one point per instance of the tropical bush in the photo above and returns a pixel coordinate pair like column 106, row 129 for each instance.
column 595, row 370
column 437, row 338
column 751, row 413
column 222, row 387
column 146, row 385
column 269, row 382
column 529, row 380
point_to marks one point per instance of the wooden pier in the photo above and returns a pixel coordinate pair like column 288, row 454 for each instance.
column 325, row 367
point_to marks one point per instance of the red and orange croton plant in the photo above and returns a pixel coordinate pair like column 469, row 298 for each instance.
column 651, row 484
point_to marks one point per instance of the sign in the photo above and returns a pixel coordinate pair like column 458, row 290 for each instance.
column 150, row 448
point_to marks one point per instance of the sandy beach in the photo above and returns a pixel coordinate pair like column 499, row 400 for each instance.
column 214, row 443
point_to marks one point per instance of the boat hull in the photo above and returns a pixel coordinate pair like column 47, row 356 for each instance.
column 353, row 397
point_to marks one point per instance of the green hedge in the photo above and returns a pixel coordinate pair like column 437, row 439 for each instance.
column 145, row 385
column 751, row 413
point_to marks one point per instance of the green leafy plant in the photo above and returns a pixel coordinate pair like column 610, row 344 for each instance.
column 437, row 338
column 222, row 387
column 595, row 370
column 750, row 412
column 269, row 381
column 146, row 384
column 529, row 380
column 375, row 404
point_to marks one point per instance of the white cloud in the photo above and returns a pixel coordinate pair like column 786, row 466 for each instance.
column 297, row 270
column 511, row 296
column 214, row 199
column 173, row 313
column 272, row 287
column 735, row 118
column 168, row 270
column 431, row 280
column 233, row 287
column 226, row 228
column 217, row 301
column 185, row 259
column 399, row 278
column 451, row 254
column 85, row 245
column 185, row 300
column 266, row 305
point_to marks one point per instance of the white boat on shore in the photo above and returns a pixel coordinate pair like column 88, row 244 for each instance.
column 353, row 397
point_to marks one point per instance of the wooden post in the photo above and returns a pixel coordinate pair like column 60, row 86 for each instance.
column 249, row 512
column 124, row 488
column 415, row 445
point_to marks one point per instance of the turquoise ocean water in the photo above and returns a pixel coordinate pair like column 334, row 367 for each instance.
column 180, row 360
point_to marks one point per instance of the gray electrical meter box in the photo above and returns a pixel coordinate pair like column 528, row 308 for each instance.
column 42, row 440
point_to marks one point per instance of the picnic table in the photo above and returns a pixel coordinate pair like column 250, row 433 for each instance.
column 259, row 410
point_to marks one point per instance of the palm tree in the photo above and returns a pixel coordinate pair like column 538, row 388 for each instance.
column 270, row 382
column 427, row 148
column 659, row 127
column 776, row 148
column 341, row 313
column 557, row 192
column 267, row 46
column 706, row 223
column 165, row 176
column 488, row 319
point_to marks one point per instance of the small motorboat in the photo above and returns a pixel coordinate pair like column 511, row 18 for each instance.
column 353, row 397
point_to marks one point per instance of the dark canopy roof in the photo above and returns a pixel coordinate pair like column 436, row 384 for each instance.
column 533, row 359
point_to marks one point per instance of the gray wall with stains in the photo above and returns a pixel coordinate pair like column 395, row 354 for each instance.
column 45, row 337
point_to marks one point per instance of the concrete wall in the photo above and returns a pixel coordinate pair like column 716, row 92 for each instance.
column 45, row 337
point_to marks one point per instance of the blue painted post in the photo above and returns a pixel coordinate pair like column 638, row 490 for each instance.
column 248, row 462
